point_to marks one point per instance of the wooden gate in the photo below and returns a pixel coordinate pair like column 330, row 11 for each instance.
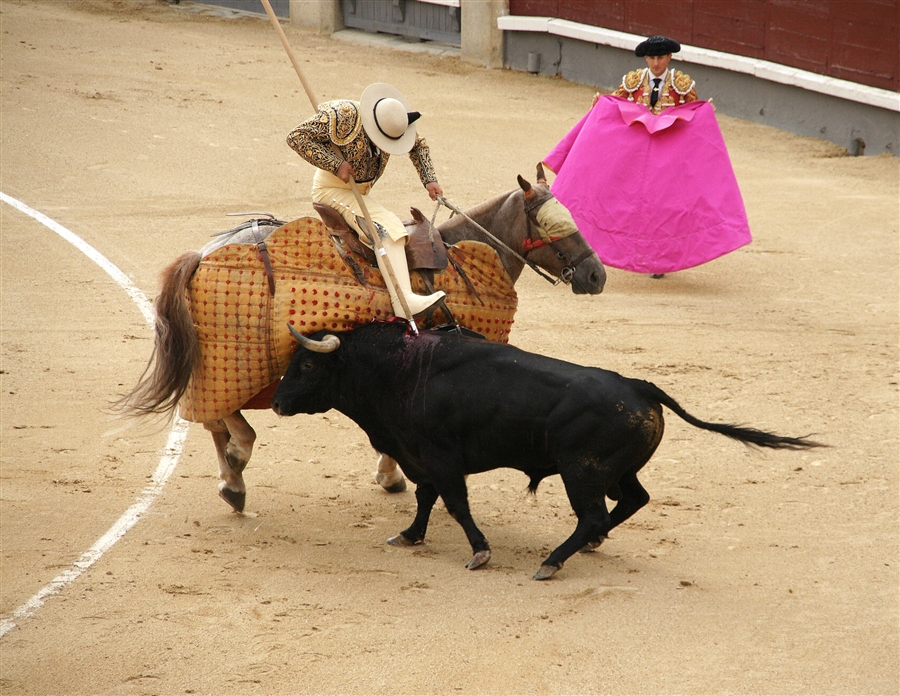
column 431, row 20
column 281, row 8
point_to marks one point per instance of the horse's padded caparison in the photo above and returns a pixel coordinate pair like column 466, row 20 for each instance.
column 244, row 341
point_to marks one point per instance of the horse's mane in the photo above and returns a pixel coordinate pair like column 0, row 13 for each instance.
column 487, row 205
column 448, row 227
column 493, row 203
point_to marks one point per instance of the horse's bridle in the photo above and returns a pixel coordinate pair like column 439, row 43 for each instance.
column 568, row 273
column 529, row 244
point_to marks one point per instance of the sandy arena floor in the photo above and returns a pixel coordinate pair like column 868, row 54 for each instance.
column 138, row 124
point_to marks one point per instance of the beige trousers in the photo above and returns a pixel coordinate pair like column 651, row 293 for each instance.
column 333, row 192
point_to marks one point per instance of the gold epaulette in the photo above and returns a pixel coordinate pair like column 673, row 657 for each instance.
column 682, row 83
column 633, row 80
column 344, row 121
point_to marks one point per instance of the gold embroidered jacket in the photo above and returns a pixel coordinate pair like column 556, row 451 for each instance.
column 339, row 122
column 677, row 89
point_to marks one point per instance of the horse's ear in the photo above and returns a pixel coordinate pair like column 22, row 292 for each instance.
column 526, row 187
column 541, row 177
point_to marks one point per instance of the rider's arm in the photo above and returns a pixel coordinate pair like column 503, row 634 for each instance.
column 420, row 156
column 312, row 142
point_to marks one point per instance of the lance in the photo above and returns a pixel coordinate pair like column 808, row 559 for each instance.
column 373, row 232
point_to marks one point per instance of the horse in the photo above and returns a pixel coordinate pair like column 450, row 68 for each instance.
column 524, row 226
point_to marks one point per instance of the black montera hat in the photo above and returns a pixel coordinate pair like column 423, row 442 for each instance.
column 657, row 46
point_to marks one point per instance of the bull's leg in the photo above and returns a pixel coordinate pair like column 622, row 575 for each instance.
column 633, row 497
column 233, row 438
column 588, row 499
column 628, row 493
column 426, row 497
column 389, row 476
column 629, row 501
column 455, row 495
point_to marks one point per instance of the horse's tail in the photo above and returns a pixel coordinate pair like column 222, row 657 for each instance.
column 176, row 349
column 750, row 436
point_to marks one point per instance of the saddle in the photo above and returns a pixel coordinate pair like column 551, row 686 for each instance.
column 425, row 249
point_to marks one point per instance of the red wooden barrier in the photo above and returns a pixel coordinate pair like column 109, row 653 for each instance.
column 856, row 40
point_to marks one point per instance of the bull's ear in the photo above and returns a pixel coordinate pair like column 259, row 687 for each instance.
column 541, row 177
column 526, row 187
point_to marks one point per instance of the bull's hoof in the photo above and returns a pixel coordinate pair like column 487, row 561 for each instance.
column 392, row 484
column 546, row 571
column 401, row 540
column 479, row 559
column 235, row 499
column 591, row 545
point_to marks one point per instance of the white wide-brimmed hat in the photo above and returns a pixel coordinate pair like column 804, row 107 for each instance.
column 387, row 119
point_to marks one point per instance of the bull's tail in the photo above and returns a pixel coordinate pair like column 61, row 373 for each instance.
column 750, row 436
column 176, row 349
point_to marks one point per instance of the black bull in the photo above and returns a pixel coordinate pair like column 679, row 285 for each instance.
column 445, row 406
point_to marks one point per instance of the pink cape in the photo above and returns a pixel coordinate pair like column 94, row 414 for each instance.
column 651, row 194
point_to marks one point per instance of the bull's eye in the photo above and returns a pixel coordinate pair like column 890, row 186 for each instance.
column 307, row 364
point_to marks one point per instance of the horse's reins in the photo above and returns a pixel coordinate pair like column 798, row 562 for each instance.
column 501, row 243
column 568, row 273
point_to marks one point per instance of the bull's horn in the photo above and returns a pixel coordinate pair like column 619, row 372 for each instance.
column 526, row 187
column 541, row 177
column 326, row 345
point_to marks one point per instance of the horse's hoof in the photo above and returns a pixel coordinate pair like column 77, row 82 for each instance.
column 546, row 571
column 401, row 540
column 390, row 485
column 479, row 559
column 398, row 487
column 235, row 499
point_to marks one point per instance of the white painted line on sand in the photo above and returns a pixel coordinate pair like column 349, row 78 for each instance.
column 167, row 463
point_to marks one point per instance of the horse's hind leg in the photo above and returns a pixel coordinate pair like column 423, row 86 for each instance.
column 233, row 438
column 231, row 483
column 389, row 476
